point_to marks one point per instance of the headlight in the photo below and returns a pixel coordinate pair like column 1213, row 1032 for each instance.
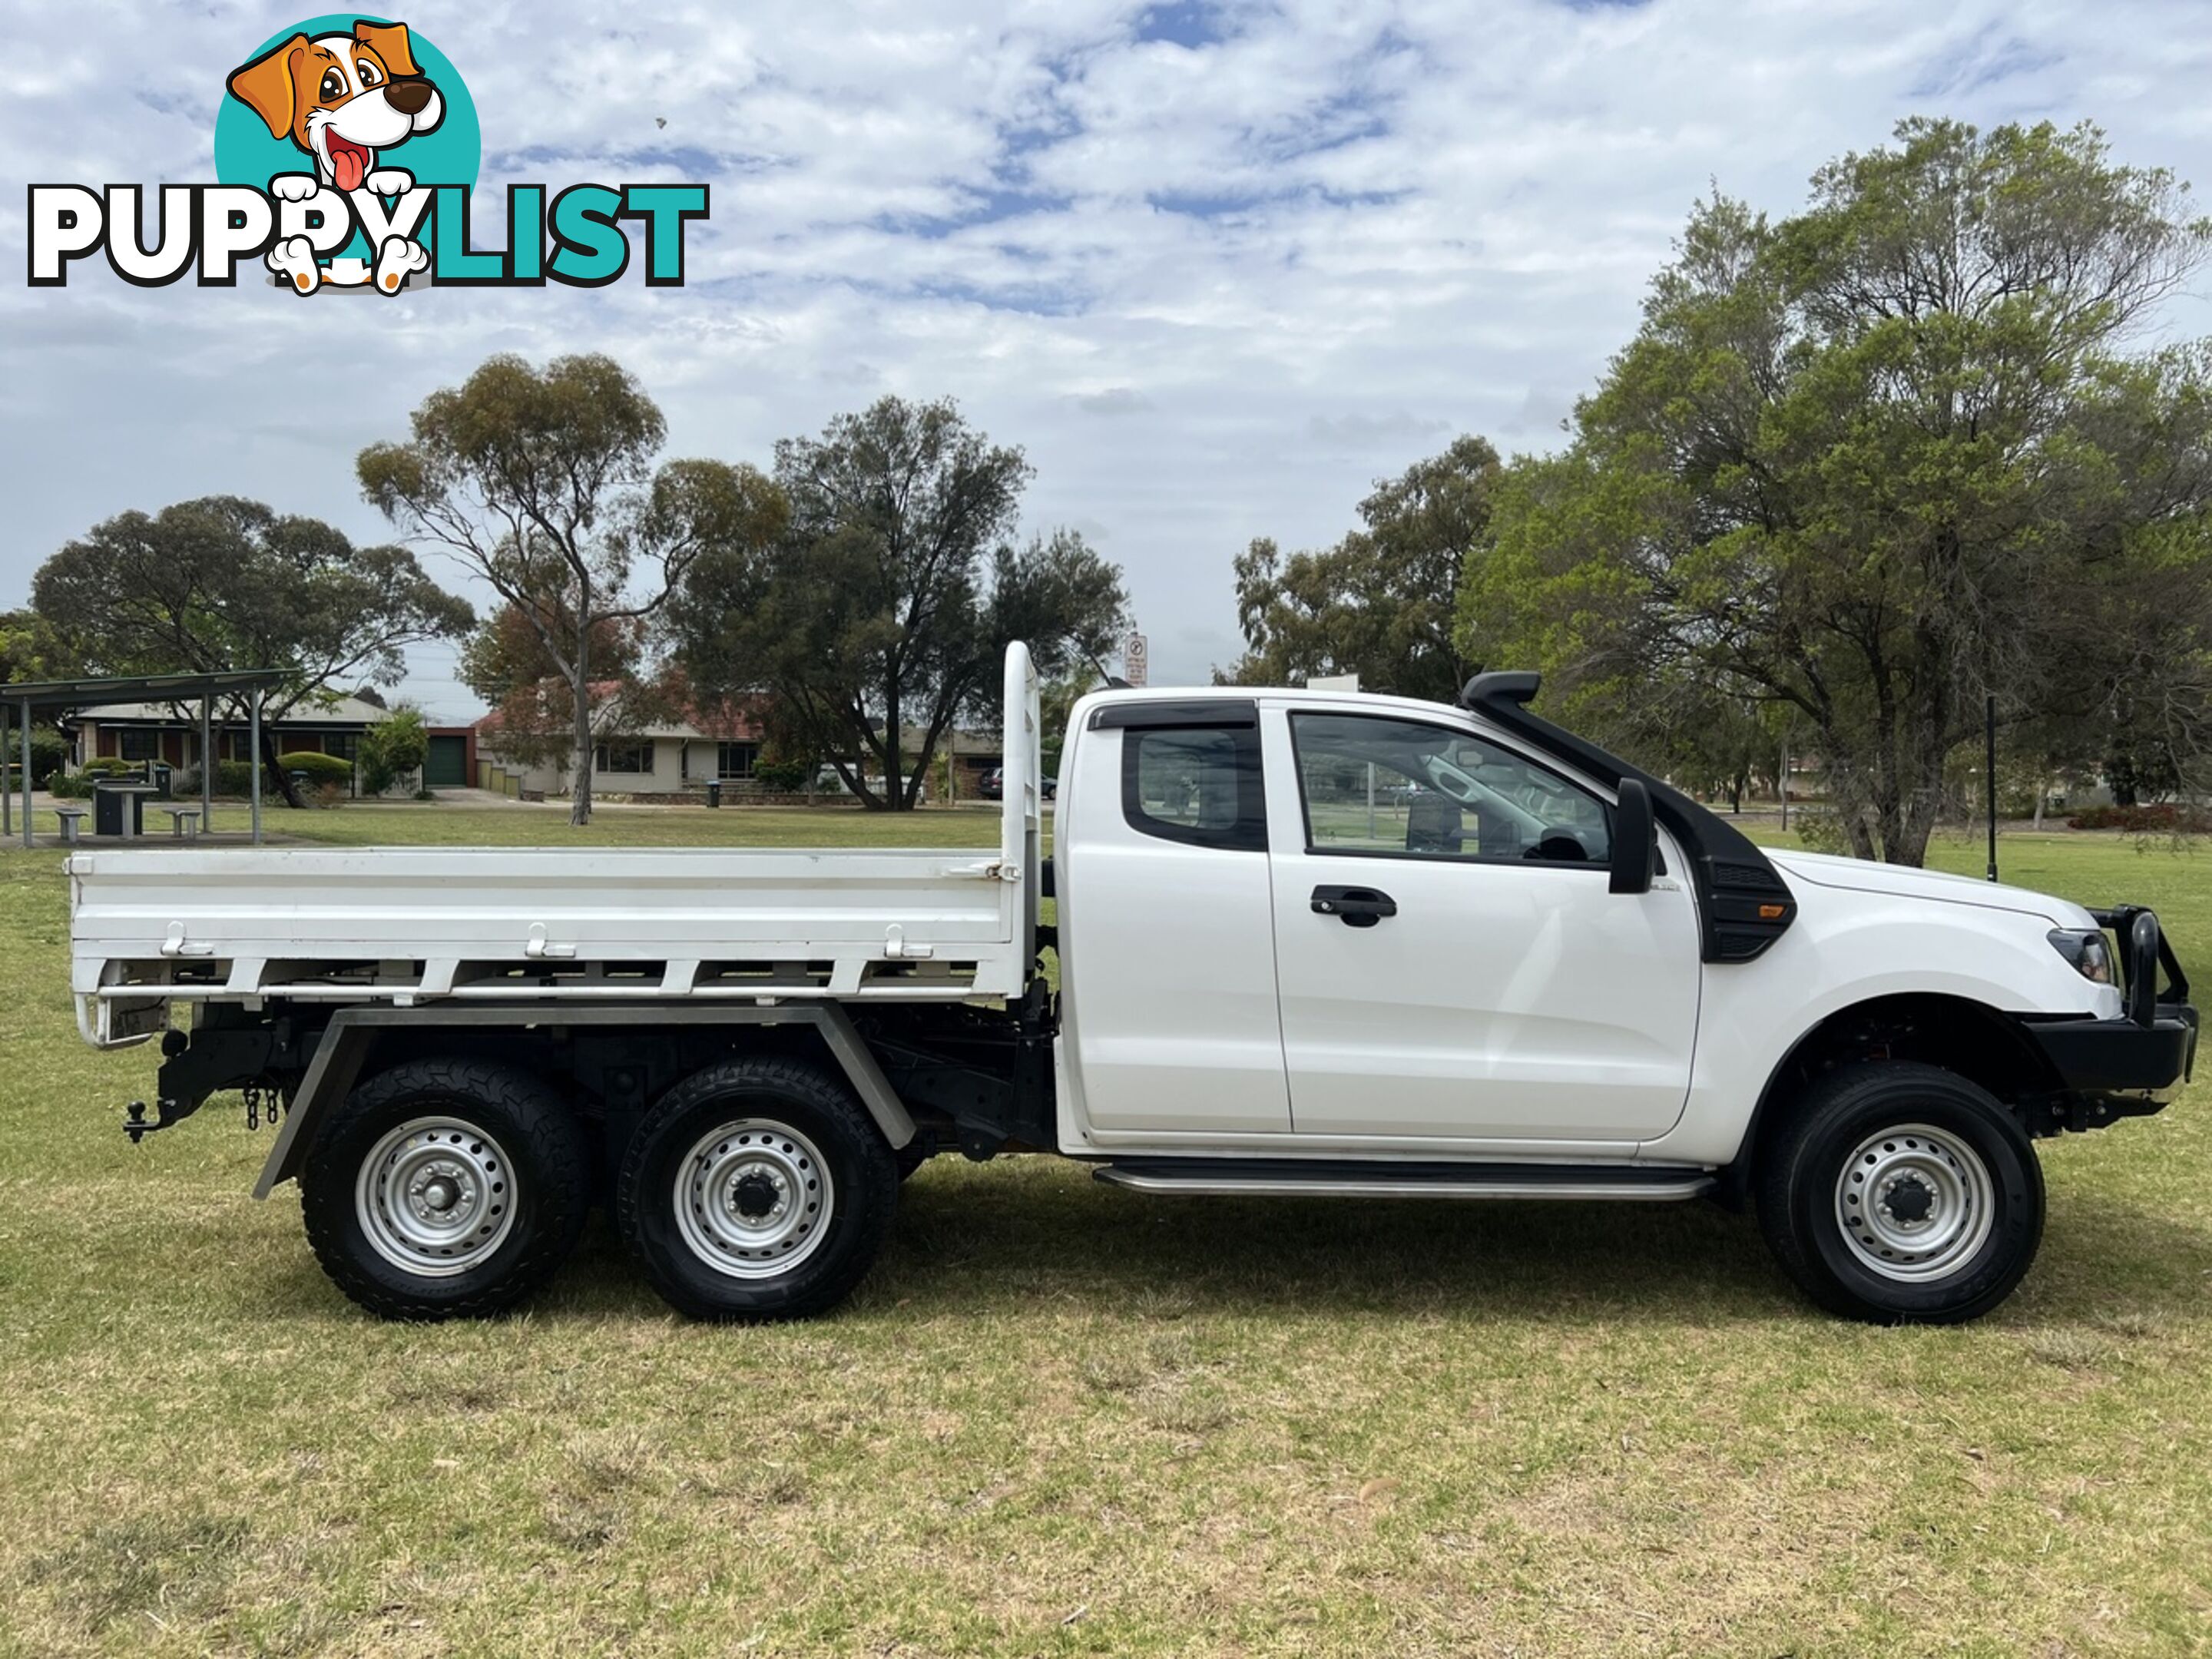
column 2086, row 950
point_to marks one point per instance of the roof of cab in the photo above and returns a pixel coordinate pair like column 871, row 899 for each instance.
column 1271, row 695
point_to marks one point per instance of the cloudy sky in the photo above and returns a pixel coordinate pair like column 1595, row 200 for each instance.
column 1216, row 266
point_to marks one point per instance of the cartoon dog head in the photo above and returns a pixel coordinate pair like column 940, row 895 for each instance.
column 341, row 97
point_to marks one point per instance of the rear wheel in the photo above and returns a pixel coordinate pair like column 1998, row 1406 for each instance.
column 445, row 1188
column 756, row 1189
column 1902, row 1194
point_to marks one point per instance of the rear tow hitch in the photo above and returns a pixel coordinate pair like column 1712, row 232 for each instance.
column 135, row 1124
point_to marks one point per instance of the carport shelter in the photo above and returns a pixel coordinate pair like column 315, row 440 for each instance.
column 20, row 703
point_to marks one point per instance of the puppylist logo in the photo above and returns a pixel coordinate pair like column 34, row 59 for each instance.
column 346, row 148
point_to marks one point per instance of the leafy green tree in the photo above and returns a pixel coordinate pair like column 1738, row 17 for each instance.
column 541, row 483
column 392, row 749
column 1380, row 603
column 1056, row 700
column 882, row 612
column 32, row 648
column 1883, row 460
column 506, row 663
column 224, row 583
column 1716, row 746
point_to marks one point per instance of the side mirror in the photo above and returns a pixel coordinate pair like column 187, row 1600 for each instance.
column 1635, row 840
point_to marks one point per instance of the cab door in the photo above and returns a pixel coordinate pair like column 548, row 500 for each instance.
column 1166, row 918
column 1451, row 965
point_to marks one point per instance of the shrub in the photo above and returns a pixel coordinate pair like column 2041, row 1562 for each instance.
column 1820, row 830
column 233, row 779
column 321, row 771
column 2163, row 818
column 77, row 786
column 395, row 746
column 780, row 777
column 49, row 758
column 49, row 755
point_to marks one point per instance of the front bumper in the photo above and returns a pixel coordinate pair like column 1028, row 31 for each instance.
column 2129, row 1067
column 2118, row 1056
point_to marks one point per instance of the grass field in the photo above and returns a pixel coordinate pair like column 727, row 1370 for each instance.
column 418, row 824
column 1061, row 1419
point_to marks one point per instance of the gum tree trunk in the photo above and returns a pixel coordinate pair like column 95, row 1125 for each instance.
column 580, row 761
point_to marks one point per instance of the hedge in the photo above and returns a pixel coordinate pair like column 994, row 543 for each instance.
column 49, row 756
column 77, row 786
column 2164, row 818
column 780, row 777
column 319, row 769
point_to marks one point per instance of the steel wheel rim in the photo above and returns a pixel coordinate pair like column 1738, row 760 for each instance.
column 753, row 1198
column 436, row 1196
column 1915, row 1203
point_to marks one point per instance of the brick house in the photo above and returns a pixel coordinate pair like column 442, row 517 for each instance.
column 160, row 732
column 675, row 759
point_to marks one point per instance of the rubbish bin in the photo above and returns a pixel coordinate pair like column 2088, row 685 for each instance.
column 714, row 792
column 158, row 775
column 118, row 809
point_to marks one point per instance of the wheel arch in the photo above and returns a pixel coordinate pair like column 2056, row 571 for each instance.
column 351, row 1042
column 1982, row 1043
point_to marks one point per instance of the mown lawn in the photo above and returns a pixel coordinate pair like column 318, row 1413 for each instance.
column 422, row 824
column 1063, row 1419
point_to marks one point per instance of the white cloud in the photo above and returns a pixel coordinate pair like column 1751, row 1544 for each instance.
column 1214, row 288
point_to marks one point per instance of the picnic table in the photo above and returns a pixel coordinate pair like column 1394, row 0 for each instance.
column 118, row 807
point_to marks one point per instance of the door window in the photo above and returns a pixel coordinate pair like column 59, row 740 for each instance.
column 1383, row 786
column 1198, row 785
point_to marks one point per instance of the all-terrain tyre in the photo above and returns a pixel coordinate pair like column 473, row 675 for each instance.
column 756, row 1189
column 1899, row 1193
column 446, row 1189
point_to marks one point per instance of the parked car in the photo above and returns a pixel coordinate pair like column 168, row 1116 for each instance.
column 992, row 784
column 1557, row 979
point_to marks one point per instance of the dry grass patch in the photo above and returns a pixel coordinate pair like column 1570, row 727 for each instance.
column 1063, row 1420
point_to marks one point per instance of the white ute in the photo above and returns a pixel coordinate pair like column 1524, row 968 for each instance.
column 1310, row 943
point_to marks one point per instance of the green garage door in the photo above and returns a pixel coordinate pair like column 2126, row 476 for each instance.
column 446, row 766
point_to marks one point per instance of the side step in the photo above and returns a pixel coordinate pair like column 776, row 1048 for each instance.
column 1289, row 1177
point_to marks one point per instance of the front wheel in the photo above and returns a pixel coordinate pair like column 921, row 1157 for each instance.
column 1902, row 1194
column 756, row 1189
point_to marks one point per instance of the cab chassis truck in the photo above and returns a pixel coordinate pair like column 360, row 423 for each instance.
column 1310, row 943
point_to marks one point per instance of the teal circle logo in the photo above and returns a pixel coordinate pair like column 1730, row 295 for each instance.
column 298, row 112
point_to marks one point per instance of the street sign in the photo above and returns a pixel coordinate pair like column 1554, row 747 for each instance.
column 1134, row 667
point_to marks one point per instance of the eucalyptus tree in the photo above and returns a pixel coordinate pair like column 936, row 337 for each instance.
column 1908, row 449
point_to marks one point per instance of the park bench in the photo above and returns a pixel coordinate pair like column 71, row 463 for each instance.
column 71, row 816
column 183, row 822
